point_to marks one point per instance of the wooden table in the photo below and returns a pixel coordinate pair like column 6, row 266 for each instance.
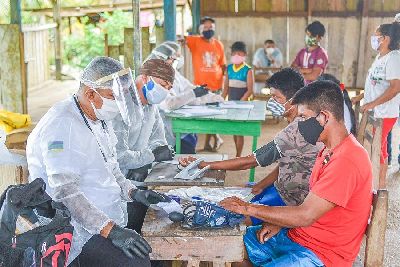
column 245, row 122
column 170, row 241
column 162, row 174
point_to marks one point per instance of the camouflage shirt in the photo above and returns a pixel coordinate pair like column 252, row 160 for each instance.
column 295, row 165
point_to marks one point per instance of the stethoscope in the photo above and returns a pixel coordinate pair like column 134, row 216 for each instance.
column 103, row 125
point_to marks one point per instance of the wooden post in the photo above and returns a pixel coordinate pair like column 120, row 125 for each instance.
column 12, row 74
column 195, row 16
column 136, row 39
column 159, row 35
column 375, row 242
column 57, row 49
column 15, row 15
column 113, row 51
column 130, row 50
column 106, row 49
column 146, row 48
column 310, row 4
column 170, row 20
column 362, row 47
column 15, row 12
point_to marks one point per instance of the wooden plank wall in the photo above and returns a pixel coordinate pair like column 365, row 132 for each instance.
column 37, row 55
column 11, row 73
column 268, row 20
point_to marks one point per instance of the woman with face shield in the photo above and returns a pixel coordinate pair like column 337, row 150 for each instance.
column 183, row 92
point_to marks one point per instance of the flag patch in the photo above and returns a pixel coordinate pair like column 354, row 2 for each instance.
column 56, row 146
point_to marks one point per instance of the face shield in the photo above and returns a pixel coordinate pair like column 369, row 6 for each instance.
column 121, row 83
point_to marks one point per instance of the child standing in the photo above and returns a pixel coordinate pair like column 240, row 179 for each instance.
column 238, row 84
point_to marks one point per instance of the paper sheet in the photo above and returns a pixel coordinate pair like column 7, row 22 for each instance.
column 200, row 111
column 234, row 105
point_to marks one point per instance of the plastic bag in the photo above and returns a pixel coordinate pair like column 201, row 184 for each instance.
column 6, row 157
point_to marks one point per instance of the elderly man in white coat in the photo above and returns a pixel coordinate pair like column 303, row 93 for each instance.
column 73, row 149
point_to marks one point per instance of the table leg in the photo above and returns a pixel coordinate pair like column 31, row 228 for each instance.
column 178, row 143
column 253, row 170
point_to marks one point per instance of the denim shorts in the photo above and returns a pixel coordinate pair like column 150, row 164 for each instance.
column 278, row 251
column 270, row 197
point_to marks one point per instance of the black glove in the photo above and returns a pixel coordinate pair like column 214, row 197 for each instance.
column 200, row 91
column 130, row 242
column 148, row 197
column 163, row 153
column 139, row 174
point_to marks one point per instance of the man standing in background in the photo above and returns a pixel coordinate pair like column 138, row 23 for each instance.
column 209, row 65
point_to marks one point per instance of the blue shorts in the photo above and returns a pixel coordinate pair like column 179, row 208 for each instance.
column 270, row 197
column 278, row 251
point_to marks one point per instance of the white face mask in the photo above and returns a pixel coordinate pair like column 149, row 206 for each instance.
column 270, row 50
column 375, row 44
column 178, row 63
column 154, row 93
column 108, row 111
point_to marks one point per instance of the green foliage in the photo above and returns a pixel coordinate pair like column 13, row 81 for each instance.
column 114, row 24
column 80, row 48
column 29, row 18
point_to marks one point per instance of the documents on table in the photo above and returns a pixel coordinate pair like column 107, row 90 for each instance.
column 235, row 105
column 198, row 111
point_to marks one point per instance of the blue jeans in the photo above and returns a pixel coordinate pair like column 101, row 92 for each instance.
column 278, row 251
column 270, row 197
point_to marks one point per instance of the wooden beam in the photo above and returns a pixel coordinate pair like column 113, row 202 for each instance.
column 159, row 35
column 170, row 20
column 375, row 242
column 129, row 48
column 15, row 12
column 146, row 49
column 195, row 16
column 256, row 14
column 83, row 11
column 57, row 43
column 136, row 37
column 362, row 44
column 310, row 5
column 12, row 70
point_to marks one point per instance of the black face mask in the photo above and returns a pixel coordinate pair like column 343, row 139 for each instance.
column 208, row 34
column 310, row 129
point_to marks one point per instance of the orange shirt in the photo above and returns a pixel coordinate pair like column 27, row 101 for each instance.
column 207, row 58
column 345, row 180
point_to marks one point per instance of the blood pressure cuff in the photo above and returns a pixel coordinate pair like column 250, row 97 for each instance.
column 268, row 154
column 203, row 214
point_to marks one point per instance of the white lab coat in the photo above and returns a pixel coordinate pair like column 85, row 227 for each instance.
column 136, row 142
column 182, row 94
column 65, row 153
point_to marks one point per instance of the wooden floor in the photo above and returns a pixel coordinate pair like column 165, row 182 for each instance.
column 42, row 97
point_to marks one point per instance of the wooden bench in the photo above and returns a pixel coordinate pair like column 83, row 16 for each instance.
column 369, row 135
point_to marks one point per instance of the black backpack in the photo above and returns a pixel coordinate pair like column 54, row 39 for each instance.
column 47, row 244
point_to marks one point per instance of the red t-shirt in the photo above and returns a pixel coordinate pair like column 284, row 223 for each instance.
column 207, row 58
column 345, row 180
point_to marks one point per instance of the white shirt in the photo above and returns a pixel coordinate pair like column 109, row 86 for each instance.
column 62, row 144
column 382, row 71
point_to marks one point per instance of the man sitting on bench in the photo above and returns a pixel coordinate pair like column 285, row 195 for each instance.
column 328, row 227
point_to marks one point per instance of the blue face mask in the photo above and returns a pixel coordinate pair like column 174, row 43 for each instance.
column 153, row 92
